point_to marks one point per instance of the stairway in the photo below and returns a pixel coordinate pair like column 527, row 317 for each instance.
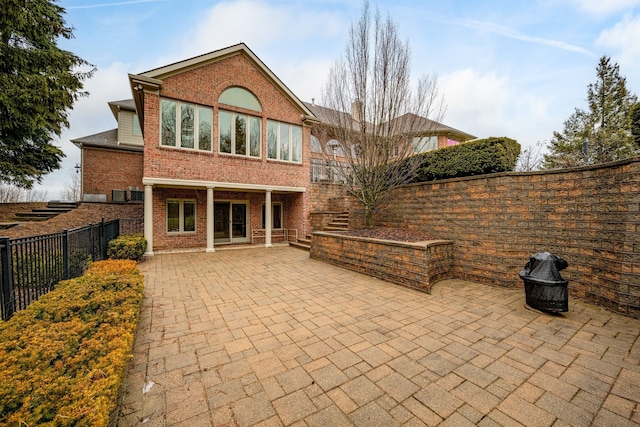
column 302, row 243
column 52, row 209
column 340, row 222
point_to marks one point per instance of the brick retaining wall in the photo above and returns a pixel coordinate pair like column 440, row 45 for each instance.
column 590, row 216
column 417, row 265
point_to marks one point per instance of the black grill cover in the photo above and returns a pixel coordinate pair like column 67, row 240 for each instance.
column 545, row 289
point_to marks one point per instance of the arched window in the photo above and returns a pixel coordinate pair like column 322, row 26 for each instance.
column 335, row 147
column 316, row 145
column 240, row 97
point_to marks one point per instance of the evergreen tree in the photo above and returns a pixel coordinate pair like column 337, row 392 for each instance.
column 39, row 82
column 603, row 132
column 634, row 116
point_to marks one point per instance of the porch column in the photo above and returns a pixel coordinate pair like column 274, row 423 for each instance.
column 268, row 221
column 210, row 247
column 148, row 218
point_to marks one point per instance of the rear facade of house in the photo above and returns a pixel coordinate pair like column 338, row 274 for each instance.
column 220, row 152
column 224, row 148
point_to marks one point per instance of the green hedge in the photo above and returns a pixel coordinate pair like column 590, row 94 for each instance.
column 483, row 156
column 64, row 358
column 131, row 246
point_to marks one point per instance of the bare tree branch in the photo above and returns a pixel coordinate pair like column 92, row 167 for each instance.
column 374, row 111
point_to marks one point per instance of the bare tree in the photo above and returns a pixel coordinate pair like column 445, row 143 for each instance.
column 372, row 81
column 72, row 187
column 530, row 159
column 14, row 194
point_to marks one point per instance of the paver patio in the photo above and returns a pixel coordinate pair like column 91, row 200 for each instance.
column 270, row 337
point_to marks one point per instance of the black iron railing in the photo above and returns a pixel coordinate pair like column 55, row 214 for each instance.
column 32, row 266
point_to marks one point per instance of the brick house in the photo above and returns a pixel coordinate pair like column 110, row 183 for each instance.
column 217, row 148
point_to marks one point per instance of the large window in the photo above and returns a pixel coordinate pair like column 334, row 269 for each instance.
column 240, row 134
column 185, row 125
column 284, row 141
column 181, row 216
column 276, row 216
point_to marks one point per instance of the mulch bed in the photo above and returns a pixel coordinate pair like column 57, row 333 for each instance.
column 388, row 233
column 85, row 214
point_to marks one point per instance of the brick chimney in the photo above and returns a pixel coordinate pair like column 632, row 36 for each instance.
column 356, row 110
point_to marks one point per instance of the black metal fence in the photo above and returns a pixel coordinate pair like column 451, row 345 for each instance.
column 32, row 266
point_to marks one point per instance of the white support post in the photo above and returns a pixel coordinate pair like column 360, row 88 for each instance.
column 268, row 220
column 148, row 218
column 210, row 246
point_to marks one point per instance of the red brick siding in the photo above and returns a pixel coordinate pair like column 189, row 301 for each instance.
column 204, row 86
column 291, row 204
column 106, row 170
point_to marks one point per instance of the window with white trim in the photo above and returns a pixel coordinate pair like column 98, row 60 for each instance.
column 276, row 216
column 185, row 125
column 240, row 134
column 181, row 216
column 284, row 141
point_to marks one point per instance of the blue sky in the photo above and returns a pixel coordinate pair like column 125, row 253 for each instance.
column 511, row 68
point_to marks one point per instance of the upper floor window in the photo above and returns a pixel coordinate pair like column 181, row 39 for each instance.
column 136, row 126
column 425, row 143
column 239, row 97
column 316, row 145
column 284, row 141
column 185, row 125
column 240, row 134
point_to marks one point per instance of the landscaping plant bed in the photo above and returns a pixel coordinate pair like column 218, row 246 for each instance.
column 418, row 262
column 388, row 233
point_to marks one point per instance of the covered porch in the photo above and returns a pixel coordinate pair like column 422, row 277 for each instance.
column 203, row 215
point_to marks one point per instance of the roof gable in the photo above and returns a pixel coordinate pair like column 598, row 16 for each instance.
column 152, row 79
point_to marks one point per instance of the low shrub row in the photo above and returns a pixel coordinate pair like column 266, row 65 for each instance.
column 64, row 358
column 130, row 246
column 483, row 156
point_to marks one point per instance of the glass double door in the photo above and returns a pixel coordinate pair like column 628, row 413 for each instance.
column 230, row 222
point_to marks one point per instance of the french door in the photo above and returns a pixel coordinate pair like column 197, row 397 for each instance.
column 230, row 222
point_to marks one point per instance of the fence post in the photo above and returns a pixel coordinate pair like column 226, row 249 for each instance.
column 8, row 297
column 102, row 239
column 65, row 253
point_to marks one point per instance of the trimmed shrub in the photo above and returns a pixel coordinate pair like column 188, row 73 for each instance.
column 478, row 157
column 131, row 246
column 64, row 358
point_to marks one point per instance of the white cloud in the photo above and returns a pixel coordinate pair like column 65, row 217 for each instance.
column 493, row 105
column 475, row 103
column 513, row 34
column 623, row 37
column 601, row 8
column 258, row 24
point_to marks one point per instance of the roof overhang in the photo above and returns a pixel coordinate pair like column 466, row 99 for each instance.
column 139, row 85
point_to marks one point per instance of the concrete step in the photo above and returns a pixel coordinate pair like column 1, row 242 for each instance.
column 33, row 214
column 300, row 245
column 331, row 228
column 5, row 225
column 52, row 210
column 26, row 218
